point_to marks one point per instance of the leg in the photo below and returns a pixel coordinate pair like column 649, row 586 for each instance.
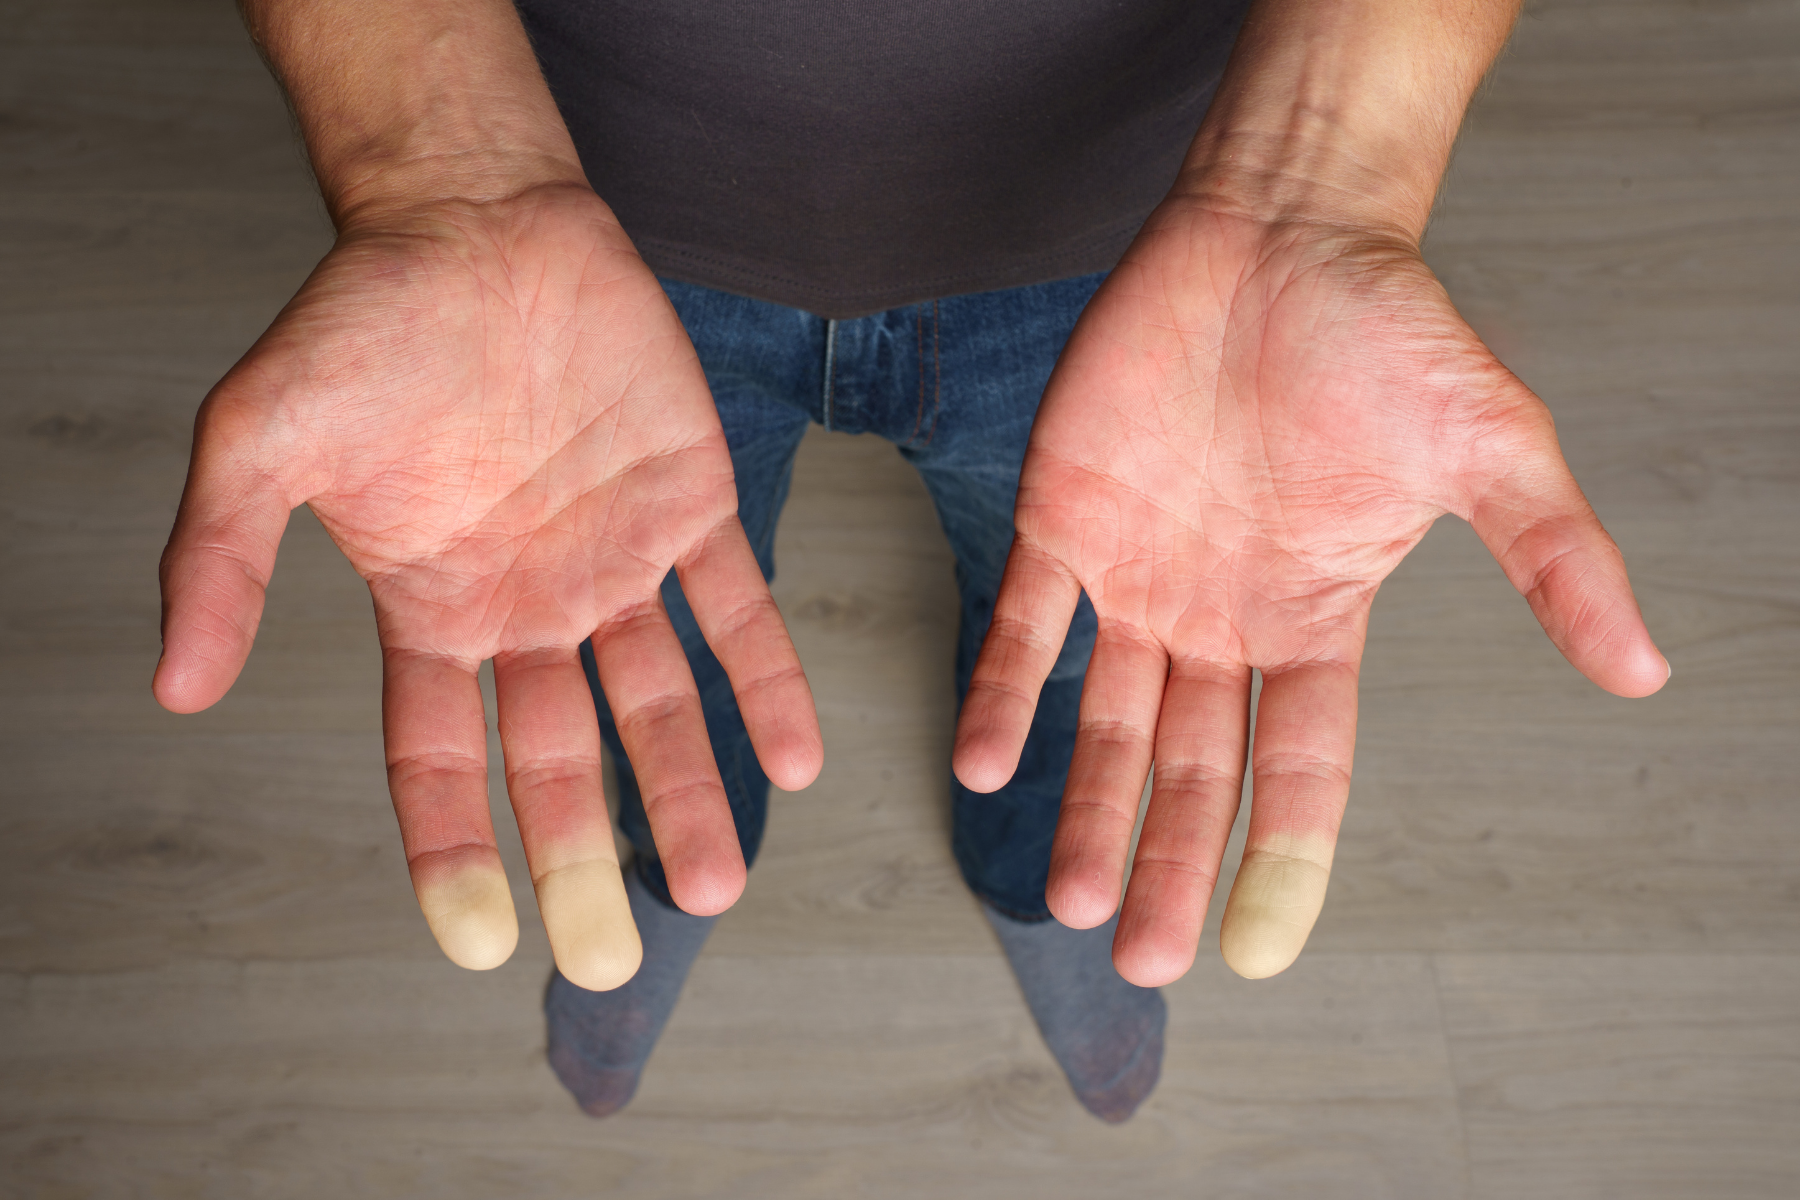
column 992, row 356
column 756, row 357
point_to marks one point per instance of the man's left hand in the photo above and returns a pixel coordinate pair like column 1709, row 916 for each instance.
column 1251, row 425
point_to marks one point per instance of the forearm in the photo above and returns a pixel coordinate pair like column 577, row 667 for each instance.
column 1344, row 110
column 409, row 101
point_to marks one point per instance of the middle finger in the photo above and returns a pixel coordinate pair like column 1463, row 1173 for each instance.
column 552, row 745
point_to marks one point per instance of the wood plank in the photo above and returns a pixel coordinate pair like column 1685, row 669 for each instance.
column 1602, row 1076
column 1566, row 922
column 815, row 1076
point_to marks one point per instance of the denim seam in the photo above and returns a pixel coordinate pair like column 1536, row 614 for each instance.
column 830, row 366
column 937, row 377
column 919, row 416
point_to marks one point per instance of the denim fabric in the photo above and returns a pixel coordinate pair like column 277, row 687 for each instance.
column 954, row 383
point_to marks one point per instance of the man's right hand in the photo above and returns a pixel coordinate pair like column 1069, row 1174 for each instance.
column 495, row 412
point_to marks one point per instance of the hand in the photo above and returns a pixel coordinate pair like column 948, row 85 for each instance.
column 1249, row 428
column 496, row 413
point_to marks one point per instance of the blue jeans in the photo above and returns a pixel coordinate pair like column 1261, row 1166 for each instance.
column 954, row 383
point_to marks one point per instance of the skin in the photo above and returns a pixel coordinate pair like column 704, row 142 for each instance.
column 490, row 405
column 494, row 410
column 1262, row 410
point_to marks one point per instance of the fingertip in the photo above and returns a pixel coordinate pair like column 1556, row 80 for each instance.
column 977, row 776
column 482, row 941
column 796, row 766
column 588, row 917
column 708, row 892
column 982, row 767
column 1080, row 907
column 1151, row 965
column 1274, row 904
column 795, row 777
column 1259, row 957
column 469, row 908
column 185, row 691
column 1644, row 675
column 601, row 967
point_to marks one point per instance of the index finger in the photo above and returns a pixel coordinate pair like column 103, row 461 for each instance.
column 1037, row 599
column 656, row 705
column 737, row 616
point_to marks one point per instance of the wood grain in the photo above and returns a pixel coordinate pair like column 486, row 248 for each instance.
column 1561, row 947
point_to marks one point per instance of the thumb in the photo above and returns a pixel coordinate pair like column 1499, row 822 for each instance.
column 1534, row 519
column 216, row 567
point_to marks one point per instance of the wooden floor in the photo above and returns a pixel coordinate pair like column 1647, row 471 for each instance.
column 1561, row 955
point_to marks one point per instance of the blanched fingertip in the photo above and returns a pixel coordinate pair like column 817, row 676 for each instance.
column 470, row 911
column 588, row 917
column 1277, row 898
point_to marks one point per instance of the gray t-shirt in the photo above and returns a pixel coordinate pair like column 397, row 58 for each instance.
column 846, row 157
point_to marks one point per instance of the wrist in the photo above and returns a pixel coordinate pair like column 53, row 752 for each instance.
column 1306, row 174
column 383, row 187
column 1343, row 112
column 404, row 103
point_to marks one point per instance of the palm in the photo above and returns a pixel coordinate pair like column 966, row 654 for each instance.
column 1246, row 433
column 500, row 420
column 1261, row 466
column 512, row 423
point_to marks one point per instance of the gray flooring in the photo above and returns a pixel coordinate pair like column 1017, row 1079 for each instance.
column 1561, row 954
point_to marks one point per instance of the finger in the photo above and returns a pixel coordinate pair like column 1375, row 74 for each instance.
column 1200, row 741
column 216, row 567
column 552, row 747
column 1031, row 618
column 731, row 601
column 1113, row 741
column 656, row 706
column 1305, row 739
column 436, row 738
column 1534, row 518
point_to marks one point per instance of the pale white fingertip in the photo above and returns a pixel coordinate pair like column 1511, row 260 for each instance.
column 1277, row 898
column 588, row 917
column 471, row 915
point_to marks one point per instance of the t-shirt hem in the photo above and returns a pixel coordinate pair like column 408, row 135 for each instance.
column 765, row 281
